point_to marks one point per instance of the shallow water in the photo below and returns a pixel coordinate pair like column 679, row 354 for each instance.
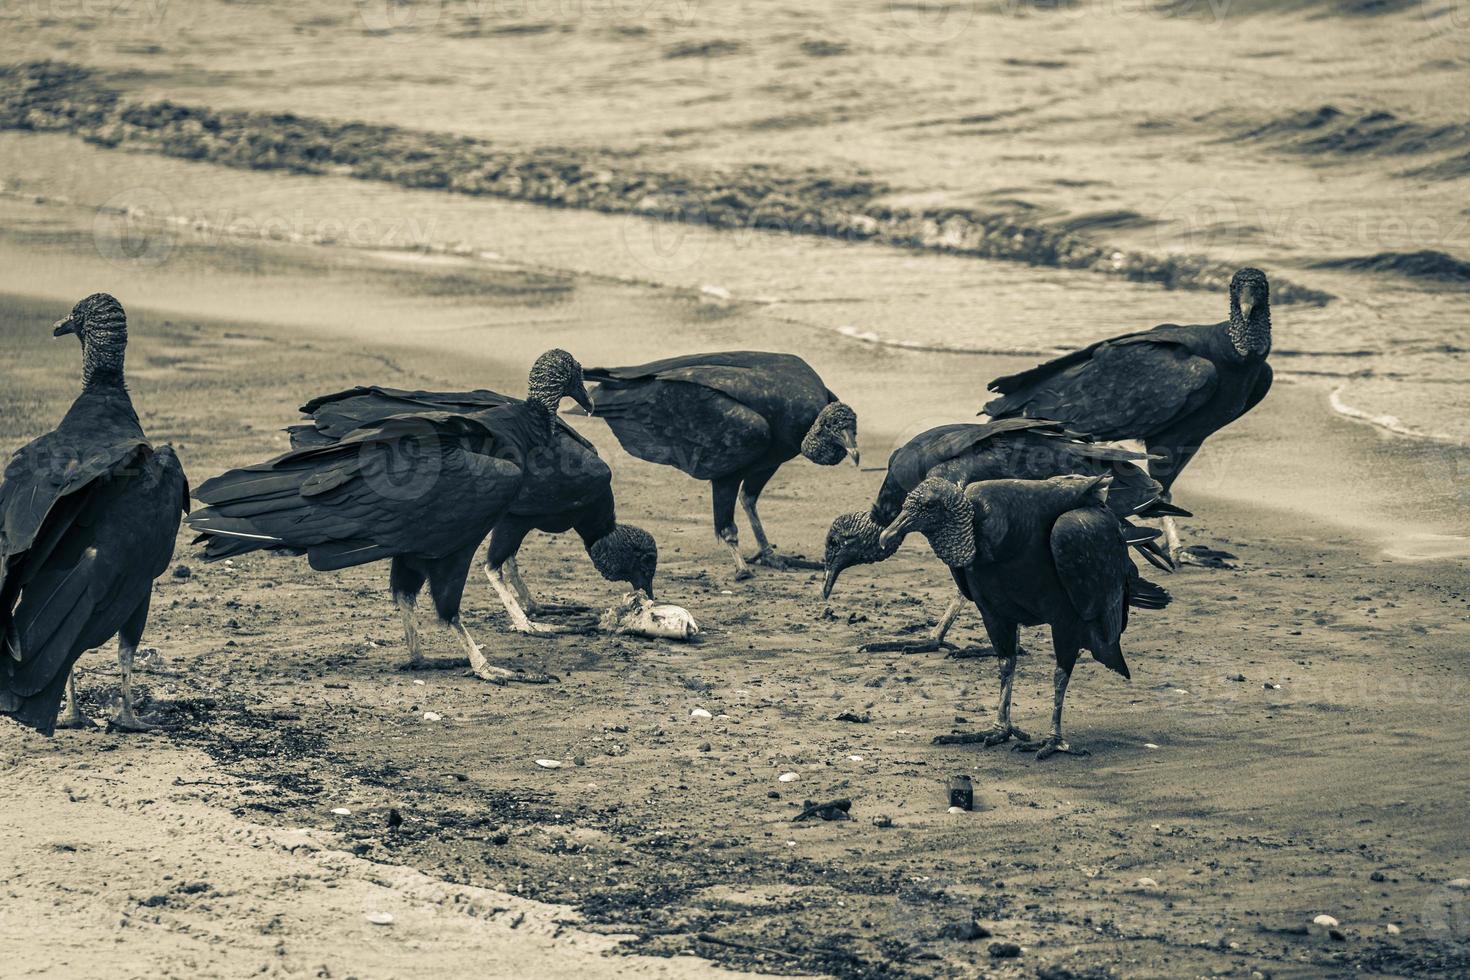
column 1285, row 135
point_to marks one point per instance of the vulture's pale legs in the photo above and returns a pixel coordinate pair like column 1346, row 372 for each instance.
column 73, row 717
column 126, row 718
column 1054, row 743
column 519, row 621
column 1003, row 729
column 408, row 610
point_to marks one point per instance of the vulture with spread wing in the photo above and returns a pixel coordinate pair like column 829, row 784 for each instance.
column 1028, row 552
column 1171, row 387
column 567, row 487
column 965, row 453
column 422, row 489
column 731, row 418
column 88, row 517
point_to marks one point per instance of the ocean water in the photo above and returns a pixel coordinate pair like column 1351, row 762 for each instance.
column 1324, row 142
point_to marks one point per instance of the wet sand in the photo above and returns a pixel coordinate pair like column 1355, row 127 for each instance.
column 1260, row 807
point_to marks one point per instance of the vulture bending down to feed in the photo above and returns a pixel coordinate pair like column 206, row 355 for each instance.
column 88, row 517
column 1170, row 387
column 1028, row 552
column 422, row 489
column 965, row 453
column 567, row 487
column 730, row 418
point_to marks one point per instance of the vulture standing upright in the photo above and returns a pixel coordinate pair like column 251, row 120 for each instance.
column 1170, row 387
column 1028, row 552
column 730, row 418
column 567, row 487
column 965, row 453
column 88, row 517
column 422, row 489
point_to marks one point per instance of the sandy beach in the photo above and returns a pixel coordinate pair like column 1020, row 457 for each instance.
column 1288, row 745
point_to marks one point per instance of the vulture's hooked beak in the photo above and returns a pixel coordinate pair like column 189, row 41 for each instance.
column 830, row 581
column 580, row 396
column 64, row 326
column 895, row 531
column 849, row 442
column 1247, row 302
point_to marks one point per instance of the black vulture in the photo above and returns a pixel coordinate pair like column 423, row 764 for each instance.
column 88, row 517
column 965, row 453
column 1028, row 552
column 569, row 487
column 1170, row 387
column 422, row 489
column 730, row 418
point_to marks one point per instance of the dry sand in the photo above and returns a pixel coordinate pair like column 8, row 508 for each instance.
column 1254, row 807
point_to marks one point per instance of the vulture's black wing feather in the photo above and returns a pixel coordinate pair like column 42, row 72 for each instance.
column 334, row 416
column 693, row 427
column 412, row 484
column 1122, row 389
column 84, row 570
column 1089, row 555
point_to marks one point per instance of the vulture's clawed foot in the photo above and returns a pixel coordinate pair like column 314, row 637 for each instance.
column 486, row 671
column 1202, row 557
column 1048, row 747
column 127, row 721
column 926, row 645
column 533, row 628
column 74, row 720
column 1004, row 733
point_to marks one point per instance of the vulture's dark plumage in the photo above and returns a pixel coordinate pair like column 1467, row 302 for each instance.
column 1171, row 387
column 730, row 418
column 567, row 487
column 1028, row 552
column 88, row 517
column 965, row 453
column 422, row 489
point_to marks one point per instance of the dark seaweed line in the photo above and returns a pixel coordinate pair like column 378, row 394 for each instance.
column 55, row 96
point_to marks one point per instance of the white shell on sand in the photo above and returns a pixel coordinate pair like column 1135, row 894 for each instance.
column 379, row 918
column 548, row 763
column 1325, row 921
column 700, row 713
column 786, row 777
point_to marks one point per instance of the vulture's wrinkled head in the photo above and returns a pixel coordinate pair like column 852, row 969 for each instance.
column 102, row 327
column 852, row 540
column 940, row 511
column 627, row 554
column 557, row 375
column 832, row 436
column 1250, row 312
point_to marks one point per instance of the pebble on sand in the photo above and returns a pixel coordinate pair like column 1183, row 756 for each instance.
column 379, row 918
column 1145, row 884
column 787, row 777
column 341, row 811
column 432, row 716
column 1392, row 929
column 700, row 713
column 1459, row 884
column 548, row 763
